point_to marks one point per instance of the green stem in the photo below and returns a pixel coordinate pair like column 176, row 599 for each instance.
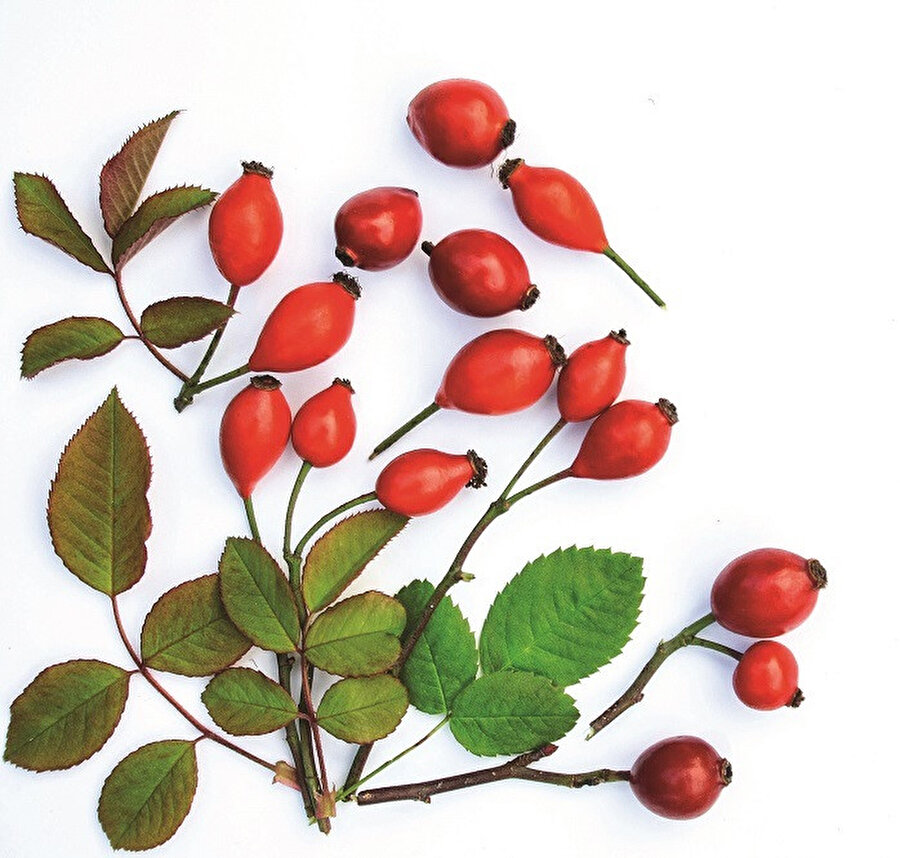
column 634, row 276
column 423, row 415
column 338, row 510
column 717, row 647
column 251, row 519
column 305, row 468
column 186, row 397
column 554, row 431
column 635, row 692
column 350, row 789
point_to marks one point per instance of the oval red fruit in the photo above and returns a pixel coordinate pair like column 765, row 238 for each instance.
column 480, row 273
column 592, row 378
column 422, row 481
column 308, row 326
column 500, row 372
column 462, row 123
column 679, row 778
column 625, row 440
column 254, row 432
column 378, row 228
column 245, row 226
column 324, row 427
column 766, row 677
column 766, row 592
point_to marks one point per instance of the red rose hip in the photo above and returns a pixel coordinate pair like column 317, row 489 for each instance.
column 766, row 592
column 480, row 273
column 462, row 123
column 378, row 228
column 324, row 427
column 766, row 677
column 592, row 378
column 679, row 778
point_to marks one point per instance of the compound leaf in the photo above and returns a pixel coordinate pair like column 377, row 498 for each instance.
column 80, row 337
column 189, row 632
column 148, row 794
column 564, row 615
column 444, row 659
column 245, row 703
column 339, row 556
column 363, row 710
column 65, row 715
column 510, row 713
column 176, row 321
column 98, row 512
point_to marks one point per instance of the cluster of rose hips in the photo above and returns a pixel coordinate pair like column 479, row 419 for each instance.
column 477, row 272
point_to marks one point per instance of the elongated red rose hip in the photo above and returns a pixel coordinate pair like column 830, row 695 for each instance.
column 245, row 226
column 558, row 208
column 462, row 123
column 625, row 440
column 480, row 273
column 254, row 432
column 308, row 326
column 592, row 378
column 422, row 481
column 378, row 228
column 499, row 372
column 324, row 427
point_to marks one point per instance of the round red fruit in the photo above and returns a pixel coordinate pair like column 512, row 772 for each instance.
column 462, row 123
column 679, row 778
column 500, row 372
column 422, row 481
column 592, row 378
column 766, row 592
column 625, row 440
column 379, row 228
column 766, row 677
column 309, row 325
column 245, row 226
column 254, row 432
column 480, row 273
column 324, row 427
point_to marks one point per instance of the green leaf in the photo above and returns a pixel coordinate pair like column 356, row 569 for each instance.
column 357, row 637
column 245, row 703
column 257, row 596
column 81, row 337
column 176, row 321
column 42, row 212
column 444, row 660
column 565, row 615
column 148, row 794
column 339, row 556
column 153, row 216
column 363, row 710
column 98, row 512
column 188, row 631
column 65, row 715
column 510, row 713
column 123, row 176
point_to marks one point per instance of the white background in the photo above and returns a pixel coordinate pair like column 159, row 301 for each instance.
column 744, row 156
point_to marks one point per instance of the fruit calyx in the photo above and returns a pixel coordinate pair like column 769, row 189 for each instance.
column 508, row 134
column 346, row 257
column 257, row 168
column 817, row 574
column 344, row 382
column 725, row 772
column 427, row 248
column 479, row 466
column 796, row 700
column 350, row 283
column 532, row 293
column 506, row 170
column 620, row 337
column 557, row 352
column 669, row 411
column 265, row 382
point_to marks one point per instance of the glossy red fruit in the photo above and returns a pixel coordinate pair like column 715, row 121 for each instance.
column 324, row 427
column 422, row 481
column 592, row 378
column 766, row 592
column 500, row 372
column 378, row 228
column 766, row 677
column 245, row 226
column 308, row 326
column 254, row 432
column 462, row 123
column 480, row 273
column 679, row 778
column 625, row 440
column 558, row 208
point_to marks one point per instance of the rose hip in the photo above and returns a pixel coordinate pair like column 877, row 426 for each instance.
column 378, row 228
column 324, row 427
column 592, row 378
column 766, row 677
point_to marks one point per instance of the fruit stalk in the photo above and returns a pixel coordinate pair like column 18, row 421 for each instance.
column 410, row 424
column 609, row 252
